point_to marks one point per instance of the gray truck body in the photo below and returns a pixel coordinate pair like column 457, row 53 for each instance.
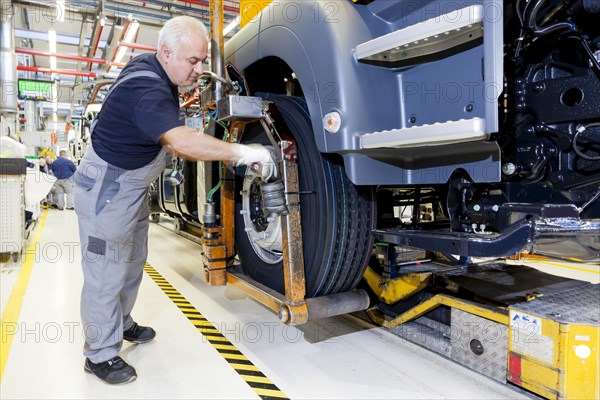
column 318, row 41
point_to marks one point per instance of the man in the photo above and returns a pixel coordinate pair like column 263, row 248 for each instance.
column 63, row 169
column 139, row 123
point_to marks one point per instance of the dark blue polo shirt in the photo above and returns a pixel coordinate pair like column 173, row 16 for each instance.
column 63, row 168
column 135, row 115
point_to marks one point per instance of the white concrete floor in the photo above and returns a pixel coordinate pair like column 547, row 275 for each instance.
column 342, row 357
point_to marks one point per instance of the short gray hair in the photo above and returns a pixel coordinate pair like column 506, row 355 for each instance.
column 178, row 29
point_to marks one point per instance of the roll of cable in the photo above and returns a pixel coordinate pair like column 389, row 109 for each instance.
column 592, row 6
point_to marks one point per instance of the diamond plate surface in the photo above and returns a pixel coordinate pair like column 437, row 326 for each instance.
column 466, row 330
column 580, row 305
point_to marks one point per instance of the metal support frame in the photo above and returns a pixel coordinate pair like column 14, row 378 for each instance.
column 218, row 243
column 294, row 311
column 508, row 243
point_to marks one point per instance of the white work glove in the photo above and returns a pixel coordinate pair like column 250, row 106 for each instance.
column 252, row 154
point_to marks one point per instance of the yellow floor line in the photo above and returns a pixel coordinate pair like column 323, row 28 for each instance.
column 10, row 318
column 547, row 260
column 569, row 267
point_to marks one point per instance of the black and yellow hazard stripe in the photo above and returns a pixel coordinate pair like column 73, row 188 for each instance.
column 261, row 385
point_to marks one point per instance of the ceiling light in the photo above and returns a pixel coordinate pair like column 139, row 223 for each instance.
column 132, row 30
column 52, row 47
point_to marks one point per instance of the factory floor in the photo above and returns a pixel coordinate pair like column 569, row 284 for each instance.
column 256, row 356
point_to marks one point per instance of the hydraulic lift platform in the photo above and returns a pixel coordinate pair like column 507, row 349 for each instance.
column 512, row 323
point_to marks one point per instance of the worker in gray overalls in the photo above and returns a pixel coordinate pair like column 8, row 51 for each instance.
column 132, row 138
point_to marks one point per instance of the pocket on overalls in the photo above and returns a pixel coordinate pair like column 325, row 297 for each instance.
column 108, row 191
column 82, row 197
column 85, row 182
column 118, row 216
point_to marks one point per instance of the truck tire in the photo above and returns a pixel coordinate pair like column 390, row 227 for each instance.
column 336, row 216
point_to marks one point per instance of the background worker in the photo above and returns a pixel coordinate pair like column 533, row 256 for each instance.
column 136, row 130
column 63, row 169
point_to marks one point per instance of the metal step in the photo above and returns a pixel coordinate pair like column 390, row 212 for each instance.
column 408, row 46
column 464, row 130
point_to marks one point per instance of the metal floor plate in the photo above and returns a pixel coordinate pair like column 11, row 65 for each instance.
column 580, row 305
column 505, row 284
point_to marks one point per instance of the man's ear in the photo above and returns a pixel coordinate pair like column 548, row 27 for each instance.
column 166, row 51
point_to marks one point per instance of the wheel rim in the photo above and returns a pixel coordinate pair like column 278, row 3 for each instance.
column 264, row 232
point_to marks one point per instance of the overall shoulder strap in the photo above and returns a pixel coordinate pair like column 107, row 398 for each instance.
column 137, row 74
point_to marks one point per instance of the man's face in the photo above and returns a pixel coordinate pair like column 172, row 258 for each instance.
column 185, row 66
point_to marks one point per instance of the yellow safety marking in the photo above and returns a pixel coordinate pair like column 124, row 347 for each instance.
column 15, row 301
column 244, row 367
column 203, row 323
column 547, row 260
column 269, row 393
column 192, row 314
column 223, row 346
column 257, row 379
column 234, row 356
column 258, row 382
column 216, row 338
column 570, row 267
column 542, row 260
column 204, row 330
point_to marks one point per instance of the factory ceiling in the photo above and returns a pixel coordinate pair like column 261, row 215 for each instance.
column 94, row 38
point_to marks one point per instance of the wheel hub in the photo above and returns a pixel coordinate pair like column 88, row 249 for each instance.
column 264, row 232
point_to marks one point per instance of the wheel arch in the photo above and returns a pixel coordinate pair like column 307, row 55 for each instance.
column 266, row 73
column 330, row 77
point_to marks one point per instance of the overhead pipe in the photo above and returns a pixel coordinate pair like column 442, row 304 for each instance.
column 151, row 10
column 217, row 47
column 27, row 26
column 137, row 46
column 56, row 71
column 26, row 50
column 94, row 41
column 206, row 4
column 96, row 31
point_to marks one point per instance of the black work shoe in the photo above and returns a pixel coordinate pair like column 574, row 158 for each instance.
column 139, row 334
column 113, row 371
